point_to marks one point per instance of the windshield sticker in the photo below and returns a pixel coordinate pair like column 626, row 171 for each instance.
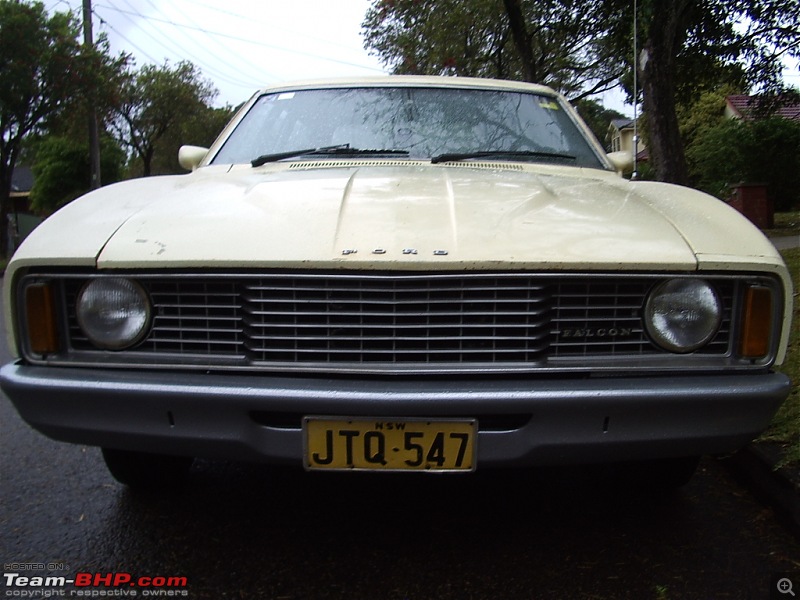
column 548, row 104
column 286, row 96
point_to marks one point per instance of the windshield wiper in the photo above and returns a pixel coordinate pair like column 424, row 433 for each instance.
column 456, row 156
column 339, row 149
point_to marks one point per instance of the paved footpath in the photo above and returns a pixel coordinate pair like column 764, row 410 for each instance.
column 784, row 243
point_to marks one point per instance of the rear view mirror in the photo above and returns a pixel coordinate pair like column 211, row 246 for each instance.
column 191, row 156
column 621, row 161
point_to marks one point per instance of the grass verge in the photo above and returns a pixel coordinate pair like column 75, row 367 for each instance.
column 785, row 427
column 786, row 224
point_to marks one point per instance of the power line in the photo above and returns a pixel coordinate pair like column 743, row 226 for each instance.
column 249, row 19
column 249, row 85
column 179, row 51
column 241, row 70
column 244, row 40
column 105, row 23
column 239, row 59
column 67, row 4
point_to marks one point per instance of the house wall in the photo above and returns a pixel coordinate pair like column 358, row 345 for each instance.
column 624, row 141
column 730, row 112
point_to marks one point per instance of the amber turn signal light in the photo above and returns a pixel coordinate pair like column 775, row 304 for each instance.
column 40, row 314
column 756, row 323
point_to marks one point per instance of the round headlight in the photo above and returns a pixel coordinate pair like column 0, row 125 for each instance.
column 114, row 313
column 682, row 315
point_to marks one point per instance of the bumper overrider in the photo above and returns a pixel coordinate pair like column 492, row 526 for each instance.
column 521, row 420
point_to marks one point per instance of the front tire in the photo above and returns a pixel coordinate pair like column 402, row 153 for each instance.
column 142, row 470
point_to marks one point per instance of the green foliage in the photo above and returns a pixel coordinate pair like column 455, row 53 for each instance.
column 763, row 151
column 735, row 43
column 40, row 66
column 39, row 63
column 773, row 156
column 716, row 160
column 688, row 48
column 200, row 129
column 157, row 100
column 558, row 43
column 62, row 170
column 443, row 37
column 44, row 70
column 708, row 110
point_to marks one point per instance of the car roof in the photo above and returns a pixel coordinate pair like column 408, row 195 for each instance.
column 413, row 81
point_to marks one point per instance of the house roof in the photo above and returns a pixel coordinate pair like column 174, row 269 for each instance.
column 622, row 123
column 21, row 179
column 742, row 105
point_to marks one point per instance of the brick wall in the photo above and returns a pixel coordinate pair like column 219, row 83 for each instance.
column 752, row 201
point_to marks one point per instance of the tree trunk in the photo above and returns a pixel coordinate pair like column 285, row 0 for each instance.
column 521, row 38
column 147, row 161
column 6, row 171
column 665, row 36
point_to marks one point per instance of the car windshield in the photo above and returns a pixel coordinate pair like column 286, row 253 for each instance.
column 413, row 122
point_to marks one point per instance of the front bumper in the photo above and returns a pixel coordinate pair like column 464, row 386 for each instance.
column 522, row 421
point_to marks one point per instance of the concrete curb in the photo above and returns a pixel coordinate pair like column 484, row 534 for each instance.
column 754, row 467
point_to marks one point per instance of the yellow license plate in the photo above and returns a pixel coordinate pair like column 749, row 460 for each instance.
column 361, row 444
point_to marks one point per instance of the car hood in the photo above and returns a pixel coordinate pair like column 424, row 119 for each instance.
column 394, row 215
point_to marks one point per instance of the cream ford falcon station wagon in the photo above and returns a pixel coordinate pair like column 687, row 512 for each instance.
column 398, row 274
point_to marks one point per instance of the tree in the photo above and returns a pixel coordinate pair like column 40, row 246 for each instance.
column 687, row 44
column 43, row 69
column 61, row 169
column 761, row 151
column 707, row 111
column 156, row 100
column 447, row 37
column 721, row 151
column 556, row 42
column 563, row 44
column 716, row 159
column 687, row 47
column 779, row 170
column 200, row 129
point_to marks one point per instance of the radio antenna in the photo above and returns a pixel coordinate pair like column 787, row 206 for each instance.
column 635, row 174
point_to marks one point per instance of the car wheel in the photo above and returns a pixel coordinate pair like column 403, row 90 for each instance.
column 142, row 470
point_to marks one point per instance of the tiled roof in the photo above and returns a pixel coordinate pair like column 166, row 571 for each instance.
column 622, row 123
column 743, row 105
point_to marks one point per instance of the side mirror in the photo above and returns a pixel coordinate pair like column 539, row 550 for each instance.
column 621, row 161
column 191, row 156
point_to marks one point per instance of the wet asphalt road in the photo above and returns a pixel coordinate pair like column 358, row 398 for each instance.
column 246, row 531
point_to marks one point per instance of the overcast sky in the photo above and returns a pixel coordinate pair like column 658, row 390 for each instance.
column 242, row 45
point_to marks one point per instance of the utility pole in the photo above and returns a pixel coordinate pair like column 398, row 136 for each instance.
column 94, row 136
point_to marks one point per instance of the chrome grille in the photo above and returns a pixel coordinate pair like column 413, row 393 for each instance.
column 196, row 317
column 415, row 319
column 407, row 322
